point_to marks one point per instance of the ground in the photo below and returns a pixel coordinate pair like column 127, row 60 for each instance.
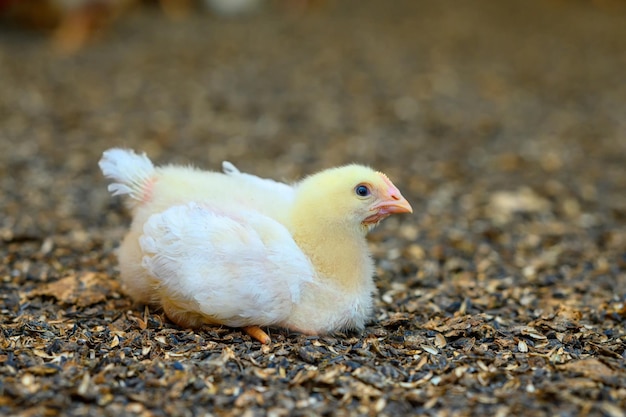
column 502, row 123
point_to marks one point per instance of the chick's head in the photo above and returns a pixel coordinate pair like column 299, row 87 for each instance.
column 352, row 196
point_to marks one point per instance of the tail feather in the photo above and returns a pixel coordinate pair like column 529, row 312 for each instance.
column 131, row 172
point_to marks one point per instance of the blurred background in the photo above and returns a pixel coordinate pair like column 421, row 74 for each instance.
column 502, row 122
column 479, row 110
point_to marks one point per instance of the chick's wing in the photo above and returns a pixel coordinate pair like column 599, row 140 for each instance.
column 238, row 268
column 264, row 194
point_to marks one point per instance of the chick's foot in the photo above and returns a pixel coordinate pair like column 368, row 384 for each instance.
column 255, row 332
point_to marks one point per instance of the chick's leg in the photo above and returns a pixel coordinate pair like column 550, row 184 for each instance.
column 185, row 318
column 255, row 332
column 181, row 316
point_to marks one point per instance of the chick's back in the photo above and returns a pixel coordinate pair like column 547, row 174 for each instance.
column 173, row 185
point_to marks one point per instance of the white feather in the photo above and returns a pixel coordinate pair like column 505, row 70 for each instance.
column 240, row 268
column 266, row 185
column 131, row 172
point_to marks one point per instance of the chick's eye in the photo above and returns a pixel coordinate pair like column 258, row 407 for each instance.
column 362, row 190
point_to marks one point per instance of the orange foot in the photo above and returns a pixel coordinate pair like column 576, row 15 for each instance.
column 255, row 332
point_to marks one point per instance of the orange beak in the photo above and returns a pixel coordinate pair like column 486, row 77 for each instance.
column 392, row 203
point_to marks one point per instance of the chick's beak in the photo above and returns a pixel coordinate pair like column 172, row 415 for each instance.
column 392, row 202
column 393, row 205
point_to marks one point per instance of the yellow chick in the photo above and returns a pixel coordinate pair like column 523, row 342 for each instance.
column 242, row 251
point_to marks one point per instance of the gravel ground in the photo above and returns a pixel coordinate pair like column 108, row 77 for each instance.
column 502, row 122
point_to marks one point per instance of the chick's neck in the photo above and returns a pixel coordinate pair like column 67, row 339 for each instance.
column 338, row 251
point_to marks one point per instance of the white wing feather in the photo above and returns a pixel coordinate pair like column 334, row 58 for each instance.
column 239, row 268
column 267, row 185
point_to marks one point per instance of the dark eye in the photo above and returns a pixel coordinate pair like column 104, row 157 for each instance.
column 362, row 190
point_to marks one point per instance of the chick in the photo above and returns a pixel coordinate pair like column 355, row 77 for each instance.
column 242, row 251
